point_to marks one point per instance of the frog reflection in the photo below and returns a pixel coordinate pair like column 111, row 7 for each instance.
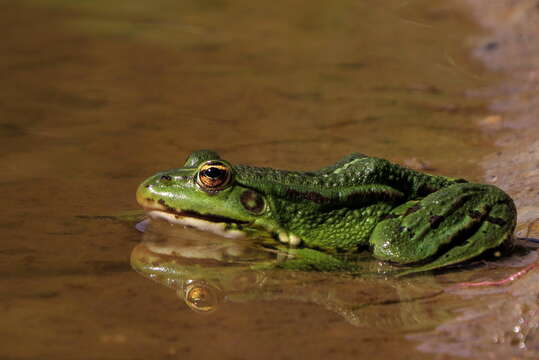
column 207, row 271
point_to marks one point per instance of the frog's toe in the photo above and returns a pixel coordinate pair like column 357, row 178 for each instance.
column 287, row 238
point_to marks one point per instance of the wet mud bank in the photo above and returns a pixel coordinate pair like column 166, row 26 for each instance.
column 502, row 322
column 511, row 47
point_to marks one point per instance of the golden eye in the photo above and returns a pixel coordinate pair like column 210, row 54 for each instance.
column 214, row 175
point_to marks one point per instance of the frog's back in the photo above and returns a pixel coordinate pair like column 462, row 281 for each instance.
column 355, row 176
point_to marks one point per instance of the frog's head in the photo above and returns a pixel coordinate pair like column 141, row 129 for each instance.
column 205, row 194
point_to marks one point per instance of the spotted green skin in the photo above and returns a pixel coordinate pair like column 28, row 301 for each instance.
column 401, row 215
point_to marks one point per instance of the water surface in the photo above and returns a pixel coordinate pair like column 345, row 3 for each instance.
column 96, row 96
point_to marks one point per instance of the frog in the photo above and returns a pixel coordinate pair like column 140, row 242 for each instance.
column 401, row 216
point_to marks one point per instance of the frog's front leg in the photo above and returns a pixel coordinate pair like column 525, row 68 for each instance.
column 448, row 226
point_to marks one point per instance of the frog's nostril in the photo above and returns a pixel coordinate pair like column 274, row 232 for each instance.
column 166, row 178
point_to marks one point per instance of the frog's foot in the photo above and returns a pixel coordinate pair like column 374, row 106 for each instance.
column 215, row 224
column 288, row 238
column 448, row 226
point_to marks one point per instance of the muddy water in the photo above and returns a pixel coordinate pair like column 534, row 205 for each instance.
column 96, row 96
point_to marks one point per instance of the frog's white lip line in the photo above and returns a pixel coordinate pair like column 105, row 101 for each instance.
column 193, row 214
column 219, row 228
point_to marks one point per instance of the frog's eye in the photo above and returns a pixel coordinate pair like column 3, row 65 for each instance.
column 214, row 175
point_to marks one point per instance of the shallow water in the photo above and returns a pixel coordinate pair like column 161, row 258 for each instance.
column 96, row 97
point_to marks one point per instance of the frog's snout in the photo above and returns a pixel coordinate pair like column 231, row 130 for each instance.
column 143, row 194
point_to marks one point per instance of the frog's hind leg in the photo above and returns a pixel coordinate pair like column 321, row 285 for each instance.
column 448, row 226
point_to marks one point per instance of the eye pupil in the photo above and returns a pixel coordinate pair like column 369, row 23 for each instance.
column 214, row 172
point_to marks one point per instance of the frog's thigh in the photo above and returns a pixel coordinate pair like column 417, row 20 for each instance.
column 451, row 225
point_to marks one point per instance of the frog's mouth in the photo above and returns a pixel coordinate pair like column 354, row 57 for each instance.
column 216, row 224
column 220, row 225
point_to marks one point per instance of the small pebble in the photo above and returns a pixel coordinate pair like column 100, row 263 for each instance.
column 416, row 164
column 494, row 122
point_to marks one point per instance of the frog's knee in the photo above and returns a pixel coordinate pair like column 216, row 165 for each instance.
column 391, row 242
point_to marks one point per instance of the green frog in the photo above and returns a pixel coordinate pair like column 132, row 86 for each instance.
column 402, row 216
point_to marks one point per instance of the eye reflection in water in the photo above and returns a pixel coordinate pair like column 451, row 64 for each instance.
column 201, row 297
